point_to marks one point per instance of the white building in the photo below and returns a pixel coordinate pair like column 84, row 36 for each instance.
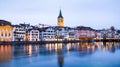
column 72, row 34
column 33, row 35
column 47, row 33
column 64, row 32
column 19, row 32
column 56, row 33
column 107, row 33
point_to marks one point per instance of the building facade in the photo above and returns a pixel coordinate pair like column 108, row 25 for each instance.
column 47, row 33
column 64, row 32
column 33, row 35
column 5, row 31
column 84, row 32
column 19, row 32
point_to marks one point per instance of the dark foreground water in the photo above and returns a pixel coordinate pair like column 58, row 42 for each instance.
column 61, row 55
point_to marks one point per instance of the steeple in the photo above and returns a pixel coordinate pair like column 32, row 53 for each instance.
column 60, row 14
column 60, row 19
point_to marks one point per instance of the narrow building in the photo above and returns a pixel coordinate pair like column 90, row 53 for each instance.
column 32, row 34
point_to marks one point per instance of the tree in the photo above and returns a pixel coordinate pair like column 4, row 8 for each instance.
column 113, row 31
column 112, row 28
column 118, row 31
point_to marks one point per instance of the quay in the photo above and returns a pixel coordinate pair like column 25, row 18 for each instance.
column 62, row 41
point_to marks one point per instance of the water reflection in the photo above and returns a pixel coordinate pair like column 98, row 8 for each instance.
column 60, row 55
column 85, row 49
column 49, row 49
column 5, row 53
column 108, row 46
column 28, row 50
column 58, row 49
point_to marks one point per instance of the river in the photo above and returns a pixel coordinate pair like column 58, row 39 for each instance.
column 95, row 54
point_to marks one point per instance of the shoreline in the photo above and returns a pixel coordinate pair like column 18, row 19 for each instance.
column 63, row 41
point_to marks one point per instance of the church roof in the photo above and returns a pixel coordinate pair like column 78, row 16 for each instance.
column 60, row 15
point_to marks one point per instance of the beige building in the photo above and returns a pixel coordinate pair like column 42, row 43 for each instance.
column 60, row 19
column 5, row 31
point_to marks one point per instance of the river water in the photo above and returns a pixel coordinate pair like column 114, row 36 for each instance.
column 96, row 54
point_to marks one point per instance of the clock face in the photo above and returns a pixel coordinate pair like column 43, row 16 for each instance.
column 60, row 22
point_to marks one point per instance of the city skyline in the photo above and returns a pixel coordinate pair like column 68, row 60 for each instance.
column 96, row 14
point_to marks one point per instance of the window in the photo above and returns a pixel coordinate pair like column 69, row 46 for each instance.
column 9, row 34
column 2, row 34
column 5, row 34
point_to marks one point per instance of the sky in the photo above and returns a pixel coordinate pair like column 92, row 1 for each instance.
column 97, row 14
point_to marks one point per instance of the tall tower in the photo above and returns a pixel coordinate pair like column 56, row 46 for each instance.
column 60, row 19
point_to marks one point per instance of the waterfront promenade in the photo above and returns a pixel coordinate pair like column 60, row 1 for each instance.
column 59, row 41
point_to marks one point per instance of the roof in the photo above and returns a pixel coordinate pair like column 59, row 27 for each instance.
column 43, row 29
column 60, row 15
column 4, row 22
column 33, row 29
column 25, row 25
column 22, row 25
column 16, row 25
column 55, row 28
column 84, row 28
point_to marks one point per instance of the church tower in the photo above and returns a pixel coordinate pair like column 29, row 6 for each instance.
column 60, row 19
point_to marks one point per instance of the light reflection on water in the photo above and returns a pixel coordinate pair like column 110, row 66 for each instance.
column 96, row 54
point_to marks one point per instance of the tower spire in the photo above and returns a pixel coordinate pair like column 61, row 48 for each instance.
column 60, row 19
column 60, row 14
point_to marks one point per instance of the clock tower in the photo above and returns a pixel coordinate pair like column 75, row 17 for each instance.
column 60, row 19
